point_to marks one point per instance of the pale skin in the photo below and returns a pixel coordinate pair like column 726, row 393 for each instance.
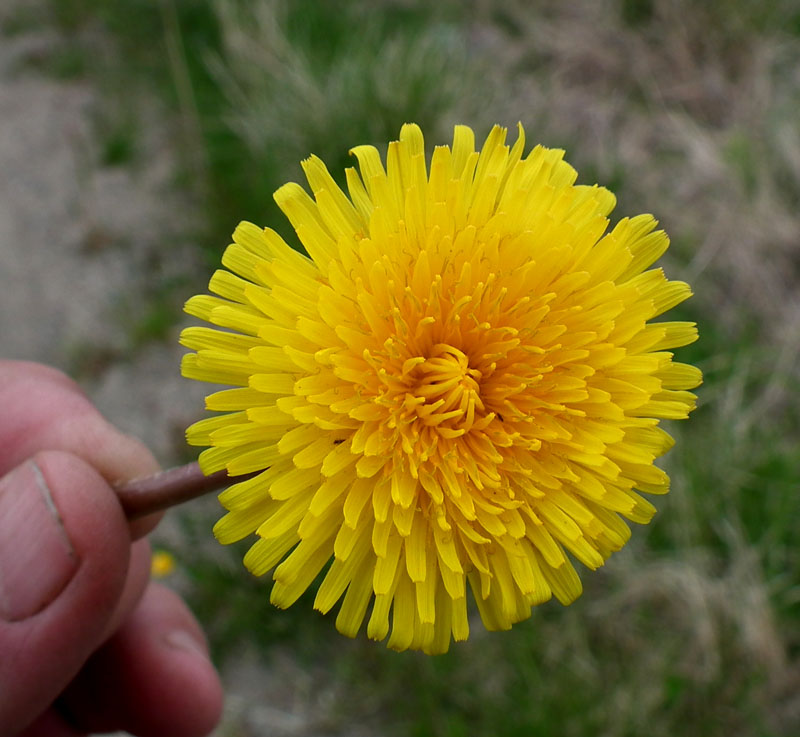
column 87, row 642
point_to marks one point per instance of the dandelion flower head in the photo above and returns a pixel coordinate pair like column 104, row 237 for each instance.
column 458, row 390
column 162, row 564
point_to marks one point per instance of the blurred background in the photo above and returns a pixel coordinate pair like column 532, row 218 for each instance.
column 135, row 134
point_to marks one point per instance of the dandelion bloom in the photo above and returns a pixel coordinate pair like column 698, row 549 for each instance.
column 457, row 388
column 162, row 564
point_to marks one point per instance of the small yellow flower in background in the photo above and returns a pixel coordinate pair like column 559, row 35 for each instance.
column 162, row 564
column 458, row 389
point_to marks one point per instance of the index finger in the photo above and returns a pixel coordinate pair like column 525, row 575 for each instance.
column 45, row 410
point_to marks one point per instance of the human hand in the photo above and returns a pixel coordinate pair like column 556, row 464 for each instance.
column 87, row 643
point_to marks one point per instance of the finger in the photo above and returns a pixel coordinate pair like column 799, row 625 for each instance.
column 11, row 370
column 152, row 678
column 64, row 551
column 136, row 582
column 51, row 724
column 45, row 410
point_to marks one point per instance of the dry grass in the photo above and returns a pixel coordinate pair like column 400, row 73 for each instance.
column 694, row 111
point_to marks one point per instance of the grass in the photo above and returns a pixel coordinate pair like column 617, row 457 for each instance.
column 686, row 110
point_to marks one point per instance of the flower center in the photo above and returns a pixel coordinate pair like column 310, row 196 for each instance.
column 447, row 394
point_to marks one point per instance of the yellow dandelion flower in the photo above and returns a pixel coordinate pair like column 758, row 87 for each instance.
column 457, row 389
column 162, row 564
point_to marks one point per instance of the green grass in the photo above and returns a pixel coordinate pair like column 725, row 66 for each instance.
column 694, row 628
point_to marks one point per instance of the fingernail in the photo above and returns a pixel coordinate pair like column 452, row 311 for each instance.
column 37, row 559
column 182, row 640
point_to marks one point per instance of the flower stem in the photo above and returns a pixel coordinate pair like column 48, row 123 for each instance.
column 165, row 489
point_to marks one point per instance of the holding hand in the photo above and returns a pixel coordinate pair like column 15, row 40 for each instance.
column 87, row 643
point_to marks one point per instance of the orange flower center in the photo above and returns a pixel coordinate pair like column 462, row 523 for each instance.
column 448, row 388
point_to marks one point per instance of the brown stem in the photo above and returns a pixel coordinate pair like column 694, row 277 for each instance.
column 144, row 496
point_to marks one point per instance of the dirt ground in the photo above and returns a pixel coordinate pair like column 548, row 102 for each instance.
column 77, row 241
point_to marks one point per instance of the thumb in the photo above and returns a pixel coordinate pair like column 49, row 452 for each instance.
column 64, row 551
